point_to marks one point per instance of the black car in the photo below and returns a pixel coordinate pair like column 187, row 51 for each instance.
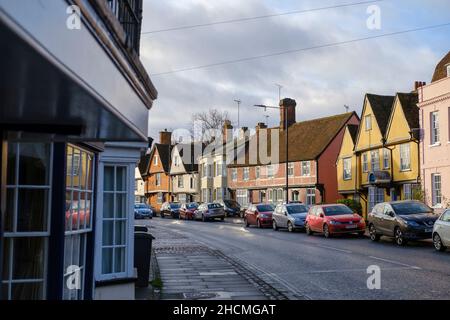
column 403, row 220
column 232, row 208
column 170, row 209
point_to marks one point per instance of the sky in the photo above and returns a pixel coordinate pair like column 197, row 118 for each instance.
column 321, row 80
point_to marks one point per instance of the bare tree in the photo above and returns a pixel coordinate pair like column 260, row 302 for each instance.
column 205, row 124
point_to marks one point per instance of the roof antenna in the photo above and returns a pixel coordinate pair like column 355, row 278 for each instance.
column 347, row 108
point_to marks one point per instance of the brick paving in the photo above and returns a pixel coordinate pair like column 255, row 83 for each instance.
column 190, row 270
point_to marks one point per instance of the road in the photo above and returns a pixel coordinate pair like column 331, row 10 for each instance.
column 319, row 268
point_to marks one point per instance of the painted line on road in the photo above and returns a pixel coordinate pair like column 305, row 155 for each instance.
column 333, row 248
column 232, row 273
column 396, row 262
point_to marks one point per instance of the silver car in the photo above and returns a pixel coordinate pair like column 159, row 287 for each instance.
column 210, row 211
column 441, row 232
column 291, row 216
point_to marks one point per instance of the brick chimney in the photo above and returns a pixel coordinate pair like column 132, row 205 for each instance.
column 418, row 84
column 227, row 133
column 165, row 137
column 242, row 132
column 260, row 125
column 290, row 105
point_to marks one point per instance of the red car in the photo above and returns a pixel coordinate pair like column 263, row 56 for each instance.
column 259, row 215
column 334, row 219
column 187, row 211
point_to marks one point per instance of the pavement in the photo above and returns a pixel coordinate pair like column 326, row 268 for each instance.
column 294, row 265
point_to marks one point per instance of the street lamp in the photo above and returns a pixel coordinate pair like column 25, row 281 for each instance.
column 286, row 141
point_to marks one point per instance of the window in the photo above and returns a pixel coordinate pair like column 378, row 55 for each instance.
column 218, row 169
column 365, row 165
column 405, row 157
column 246, row 174
column 115, row 222
column 191, row 182
column 376, row 195
column 205, row 195
column 158, row 179
column 386, row 159
column 280, row 196
column 257, row 172
column 155, row 160
column 159, row 200
column 295, row 195
column 310, row 196
column 219, row 193
column 78, row 215
column 436, row 189
column 448, row 70
column 180, row 182
column 407, row 191
column 209, row 169
column 306, row 168
column 27, row 221
column 270, row 195
column 242, row 196
column 234, row 174
column 269, row 171
column 347, row 168
column 375, row 160
column 368, row 122
column 435, row 134
column 176, row 161
column 290, row 169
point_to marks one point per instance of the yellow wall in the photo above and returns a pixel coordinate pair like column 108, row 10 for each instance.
column 346, row 152
column 371, row 138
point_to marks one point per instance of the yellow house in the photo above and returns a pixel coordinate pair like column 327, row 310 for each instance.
column 384, row 164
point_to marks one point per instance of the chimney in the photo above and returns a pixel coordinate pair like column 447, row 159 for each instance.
column 242, row 132
column 165, row 137
column 260, row 125
column 289, row 105
column 419, row 84
column 227, row 131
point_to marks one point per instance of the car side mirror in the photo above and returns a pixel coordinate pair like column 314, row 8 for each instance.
column 322, row 215
column 391, row 214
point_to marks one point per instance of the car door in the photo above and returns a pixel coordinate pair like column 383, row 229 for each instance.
column 276, row 215
column 445, row 222
column 388, row 222
column 376, row 217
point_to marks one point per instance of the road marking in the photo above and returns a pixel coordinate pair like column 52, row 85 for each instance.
column 232, row 273
column 396, row 262
column 333, row 248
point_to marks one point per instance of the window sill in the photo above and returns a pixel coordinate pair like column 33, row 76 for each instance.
column 110, row 282
column 406, row 170
column 434, row 145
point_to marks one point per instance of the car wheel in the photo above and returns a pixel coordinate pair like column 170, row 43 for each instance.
column 399, row 237
column 374, row 236
column 274, row 225
column 326, row 231
column 246, row 224
column 437, row 241
column 290, row 227
column 308, row 230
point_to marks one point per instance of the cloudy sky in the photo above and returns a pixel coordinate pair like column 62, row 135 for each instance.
column 321, row 80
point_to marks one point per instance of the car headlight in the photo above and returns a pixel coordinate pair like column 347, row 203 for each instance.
column 412, row 223
column 334, row 222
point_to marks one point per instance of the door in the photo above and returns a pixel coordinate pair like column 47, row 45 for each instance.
column 387, row 224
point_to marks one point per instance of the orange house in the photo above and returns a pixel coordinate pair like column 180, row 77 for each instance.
column 154, row 168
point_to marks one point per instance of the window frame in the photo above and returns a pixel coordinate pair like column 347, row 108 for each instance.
column 308, row 167
column 434, row 195
column 405, row 150
column 435, row 133
column 291, row 169
column 368, row 122
column 365, row 162
column 345, row 162
column 386, row 159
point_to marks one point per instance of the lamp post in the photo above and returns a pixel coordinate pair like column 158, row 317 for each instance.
column 286, row 142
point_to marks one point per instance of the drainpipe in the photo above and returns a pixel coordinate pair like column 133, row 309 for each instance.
column 3, row 173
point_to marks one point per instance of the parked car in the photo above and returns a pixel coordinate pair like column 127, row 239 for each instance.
column 208, row 211
column 441, row 232
column 232, row 208
column 187, row 210
column 291, row 216
column 403, row 220
column 142, row 211
column 334, row 219
column 170, row 209
column 243, row 210
column 259, row 215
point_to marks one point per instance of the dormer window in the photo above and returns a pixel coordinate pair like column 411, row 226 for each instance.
column 448, row 70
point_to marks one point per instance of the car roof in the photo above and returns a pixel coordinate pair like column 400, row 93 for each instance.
column 401, row 201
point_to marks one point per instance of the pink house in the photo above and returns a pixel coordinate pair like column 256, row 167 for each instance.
column 434, row 104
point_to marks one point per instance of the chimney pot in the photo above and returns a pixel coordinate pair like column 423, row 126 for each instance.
column 288, row 105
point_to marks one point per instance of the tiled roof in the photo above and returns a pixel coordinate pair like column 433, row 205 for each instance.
column 164, row 157
column 307, row 139
column 409, row 102
column 381, row 107
column 441, row 70
column 353, row 130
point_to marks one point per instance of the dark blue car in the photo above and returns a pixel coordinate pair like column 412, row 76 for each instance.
column 142, row 211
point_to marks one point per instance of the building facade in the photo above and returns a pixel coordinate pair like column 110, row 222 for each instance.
column 434, row 104
column 313, row 150
column 56, row 101
column 379, row 160
column 154, row 168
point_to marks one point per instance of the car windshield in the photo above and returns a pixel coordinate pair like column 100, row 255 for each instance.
column 264, row 208
column 140, row 206
column 214, row 206
column 231, row 204
column 192, row 206
column 337, row 210
column 175, row 205
column 410, row 208
column 296, row 209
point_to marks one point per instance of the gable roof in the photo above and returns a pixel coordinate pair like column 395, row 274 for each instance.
column 409, row 101
column 307, row 139
column 441, row 71
column 381, row 107
column 193, row 165
column 353, row 130
column 164, row 157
